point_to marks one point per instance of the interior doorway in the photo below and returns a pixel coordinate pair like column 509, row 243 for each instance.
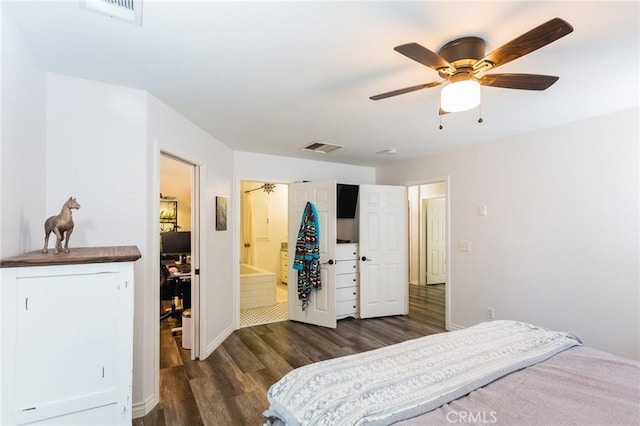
column 178, row 260
column 263, row 252
column 428, row 239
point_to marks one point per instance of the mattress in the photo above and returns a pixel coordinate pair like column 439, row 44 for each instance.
column 579, row 386
column 405, row 380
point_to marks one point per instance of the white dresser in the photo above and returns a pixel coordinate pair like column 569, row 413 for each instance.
column 67, row 337
column 347, row 280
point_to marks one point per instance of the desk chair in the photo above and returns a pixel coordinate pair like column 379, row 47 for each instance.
column 167, row 292
column 177, row 289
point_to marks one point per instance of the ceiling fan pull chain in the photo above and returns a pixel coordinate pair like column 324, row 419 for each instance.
column 480, row 120
column 440, row 119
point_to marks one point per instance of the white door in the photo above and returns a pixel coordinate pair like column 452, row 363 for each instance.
column 436, row 253
column 322, row 306
column 383, row 251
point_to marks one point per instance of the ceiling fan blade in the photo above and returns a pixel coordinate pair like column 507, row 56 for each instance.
column 528, row 42
column 423, row 55
column 405, row 90
column 519, row 81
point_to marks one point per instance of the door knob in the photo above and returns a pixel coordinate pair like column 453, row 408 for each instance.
column 364, row 259
column 330, row 262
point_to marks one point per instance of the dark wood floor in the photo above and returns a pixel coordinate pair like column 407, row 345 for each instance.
column 230, row 386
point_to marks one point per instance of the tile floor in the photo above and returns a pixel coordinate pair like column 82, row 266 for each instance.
column 267, row 314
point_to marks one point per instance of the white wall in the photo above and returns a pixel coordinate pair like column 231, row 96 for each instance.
column 95, row 149
column 22, row 143
column 97, row 152
column 273, row 168
column 103, row 144
column 560, row 244
column 172, row 133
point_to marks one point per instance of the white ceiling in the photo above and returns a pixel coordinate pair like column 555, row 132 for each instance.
column 270, row 77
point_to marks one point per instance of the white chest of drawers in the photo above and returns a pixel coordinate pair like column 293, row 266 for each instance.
column 347, row 281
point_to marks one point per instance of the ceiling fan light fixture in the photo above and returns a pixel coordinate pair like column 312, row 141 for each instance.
column 460, row 96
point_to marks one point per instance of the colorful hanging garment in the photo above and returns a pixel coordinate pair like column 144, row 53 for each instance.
column 307, row 256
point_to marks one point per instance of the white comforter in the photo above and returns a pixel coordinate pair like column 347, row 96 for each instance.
column 410, row 378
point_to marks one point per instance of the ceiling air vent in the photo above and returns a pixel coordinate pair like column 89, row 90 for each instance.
column 322, row 148
column 127, row 10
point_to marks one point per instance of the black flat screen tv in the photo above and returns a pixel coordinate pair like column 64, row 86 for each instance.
column 347, row 200
column 175, row 242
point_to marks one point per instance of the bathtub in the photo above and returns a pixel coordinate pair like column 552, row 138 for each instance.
column 257, row 287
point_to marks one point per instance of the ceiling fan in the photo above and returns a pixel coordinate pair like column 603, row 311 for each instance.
column 460, row 62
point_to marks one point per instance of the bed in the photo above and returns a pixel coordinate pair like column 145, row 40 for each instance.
column 498, row 372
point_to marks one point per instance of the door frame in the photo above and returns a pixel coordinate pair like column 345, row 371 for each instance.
column 235, row 213
column 195, row 252
column 238, row 206
column 450, row 279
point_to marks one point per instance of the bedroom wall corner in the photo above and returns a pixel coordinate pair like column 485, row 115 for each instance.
column 96, row 145
column 22, row 141
column 176, row 135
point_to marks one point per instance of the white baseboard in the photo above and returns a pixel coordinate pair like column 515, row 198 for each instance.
column 141, row 409
column 453, row 327
column 213, row 345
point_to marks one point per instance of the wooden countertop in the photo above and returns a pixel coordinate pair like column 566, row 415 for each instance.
column 78, row 255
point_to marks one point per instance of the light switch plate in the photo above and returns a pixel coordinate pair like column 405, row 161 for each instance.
column 464, row 246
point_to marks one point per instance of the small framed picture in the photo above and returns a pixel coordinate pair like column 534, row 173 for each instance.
column 221, row 214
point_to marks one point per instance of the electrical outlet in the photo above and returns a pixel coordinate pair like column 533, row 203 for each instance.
column 490, row 312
